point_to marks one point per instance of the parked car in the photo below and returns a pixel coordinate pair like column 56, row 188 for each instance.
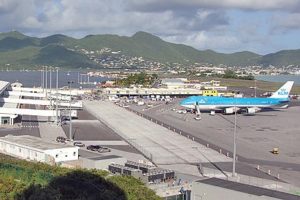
column 79, row 144
column 103, row 150
column 61, row 139
column 93, row 147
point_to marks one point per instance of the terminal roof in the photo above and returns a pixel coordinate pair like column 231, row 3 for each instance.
column 34, row 142
column 3, row 86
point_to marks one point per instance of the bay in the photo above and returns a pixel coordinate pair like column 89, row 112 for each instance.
column 33, row 78
column 279, row 78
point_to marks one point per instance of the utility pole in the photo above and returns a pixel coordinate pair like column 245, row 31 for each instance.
column 70, row 116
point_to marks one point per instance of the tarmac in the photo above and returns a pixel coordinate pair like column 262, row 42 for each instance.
column 90, row 131
column 256, row 135
column 159, row 144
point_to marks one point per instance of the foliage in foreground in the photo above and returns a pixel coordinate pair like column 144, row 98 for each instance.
column 22, row 180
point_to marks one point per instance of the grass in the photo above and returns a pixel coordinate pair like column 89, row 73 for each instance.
column 20, row 179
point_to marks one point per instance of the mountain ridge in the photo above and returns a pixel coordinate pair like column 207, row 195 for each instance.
column 14, row 46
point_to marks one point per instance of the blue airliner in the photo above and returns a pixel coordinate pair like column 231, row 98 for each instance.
column 280, row 98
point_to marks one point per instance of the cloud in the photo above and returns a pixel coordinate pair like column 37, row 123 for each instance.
column 203, row 40
column 158, row 5
column 14, row 13
column 93, row 16
column 286, row 22
column 204, row 24
column 7, row 5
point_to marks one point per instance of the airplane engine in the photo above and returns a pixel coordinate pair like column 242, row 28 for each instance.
column 229, row 110
column 252, row 110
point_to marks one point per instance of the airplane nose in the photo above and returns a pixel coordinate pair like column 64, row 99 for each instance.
column 182, row 102
column 185, row 101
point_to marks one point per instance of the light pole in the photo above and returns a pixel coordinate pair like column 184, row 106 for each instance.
column 70, row 116
column 50, row 76
column 46, row 83
column 42, row 78
column 234, row 144
column 56, row 103
column 255, row 88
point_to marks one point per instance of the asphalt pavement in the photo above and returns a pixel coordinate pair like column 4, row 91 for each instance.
column 257, row 135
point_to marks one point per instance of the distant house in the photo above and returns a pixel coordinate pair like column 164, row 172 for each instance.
column 173, row 83
column 108, row 84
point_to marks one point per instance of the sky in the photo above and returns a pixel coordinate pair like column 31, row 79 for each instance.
column 260, row 26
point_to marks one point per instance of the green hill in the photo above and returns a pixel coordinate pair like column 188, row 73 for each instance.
column 10, row 43
column 20, row 57
column 20, row 50
column 59, row 55
column 282, row 58
column 13, row 34
column 57, row 39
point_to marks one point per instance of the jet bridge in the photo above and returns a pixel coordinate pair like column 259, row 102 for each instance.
column 77, row 104
column 13, row 112
column 74, row 92
column 37, row 95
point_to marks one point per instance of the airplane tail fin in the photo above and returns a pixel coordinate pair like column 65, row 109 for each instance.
column 284, row 91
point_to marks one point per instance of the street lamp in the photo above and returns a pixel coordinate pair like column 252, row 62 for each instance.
column 70, row 116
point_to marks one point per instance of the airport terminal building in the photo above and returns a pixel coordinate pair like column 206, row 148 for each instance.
column 15, row 101
column 6, row 118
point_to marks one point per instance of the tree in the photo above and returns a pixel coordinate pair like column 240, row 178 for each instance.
column 229, row 74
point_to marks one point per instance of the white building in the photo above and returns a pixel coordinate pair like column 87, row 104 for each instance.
column 35, row 149
column 173, row 83
column 6, row 118
column 11, row 100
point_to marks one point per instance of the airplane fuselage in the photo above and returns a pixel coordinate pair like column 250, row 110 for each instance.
column 213, row 103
